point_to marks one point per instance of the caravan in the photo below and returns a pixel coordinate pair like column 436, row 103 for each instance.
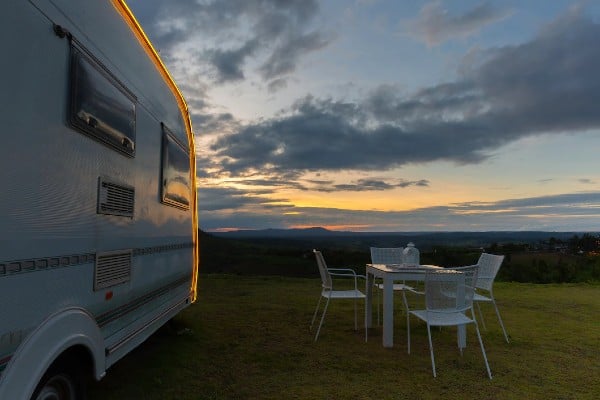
column 98, row 216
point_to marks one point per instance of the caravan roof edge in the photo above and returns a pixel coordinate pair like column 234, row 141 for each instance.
column 141, row 36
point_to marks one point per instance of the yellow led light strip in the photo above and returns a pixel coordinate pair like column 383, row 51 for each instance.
column 130, row 19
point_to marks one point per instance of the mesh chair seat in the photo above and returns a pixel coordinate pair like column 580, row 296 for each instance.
column 448, row 296
column 397, row 286
column 328, row 292
column 480, row 297
column 442, row 318
column 343, row 294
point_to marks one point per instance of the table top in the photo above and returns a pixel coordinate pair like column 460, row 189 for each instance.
column 400, row 271
column 403, row 268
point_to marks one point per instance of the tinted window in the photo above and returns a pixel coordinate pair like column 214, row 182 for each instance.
column 100, row 106
column 176, row 186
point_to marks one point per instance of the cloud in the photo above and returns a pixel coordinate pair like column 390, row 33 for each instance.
column 227, row 198
column 563, row 212
column 277, row 84
column 575, row 201
column 229, row 63
column 548, row 85
column 285, row 56
column 434, row 25
column 229, row 37
column 271, row 183
column 545, row 86
column 214, row 123
column 365, row 185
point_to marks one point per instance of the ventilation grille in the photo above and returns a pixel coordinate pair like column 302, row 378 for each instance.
column 115, row 199
column 112, row 268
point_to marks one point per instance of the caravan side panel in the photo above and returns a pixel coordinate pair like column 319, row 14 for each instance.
column 98, row 204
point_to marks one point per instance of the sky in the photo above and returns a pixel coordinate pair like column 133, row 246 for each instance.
column 385, row 115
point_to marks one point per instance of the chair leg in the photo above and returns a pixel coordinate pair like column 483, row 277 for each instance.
column 366, row 324
column 315, row 314
column 322, row 318
column 431, row 350
column 355, row 315
column 459, row 337
column 408, row 333
column 500, row 320
column 481, row 316
column 407, row 317
column 378, row 304
column 487, row 366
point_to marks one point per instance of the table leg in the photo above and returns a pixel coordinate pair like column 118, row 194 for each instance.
column 368, row 303
column 461, row 336
column 461, row 332
column 388, row 312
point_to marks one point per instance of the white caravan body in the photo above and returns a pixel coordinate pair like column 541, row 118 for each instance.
column 98, row 220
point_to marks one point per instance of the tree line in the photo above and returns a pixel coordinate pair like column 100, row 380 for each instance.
column 555, row 261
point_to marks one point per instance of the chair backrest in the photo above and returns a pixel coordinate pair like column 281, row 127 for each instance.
column 450, row 289
column 489, row 264
column 386, row 255
column 325, row 276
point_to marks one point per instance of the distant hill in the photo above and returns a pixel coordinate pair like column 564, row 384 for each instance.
column 421, row 239
column 282, row 233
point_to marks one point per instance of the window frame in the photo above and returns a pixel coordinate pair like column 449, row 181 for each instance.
column 169, row 139
column 109, row 136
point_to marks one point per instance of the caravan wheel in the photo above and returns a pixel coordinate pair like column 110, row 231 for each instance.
column 60, row 384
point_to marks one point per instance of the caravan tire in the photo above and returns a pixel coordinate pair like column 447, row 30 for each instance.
column 60, row 382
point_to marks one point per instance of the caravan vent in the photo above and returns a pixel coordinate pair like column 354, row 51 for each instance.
column 112, row 268
column 115, row 199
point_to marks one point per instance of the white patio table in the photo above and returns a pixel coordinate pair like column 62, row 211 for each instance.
column 390, row 273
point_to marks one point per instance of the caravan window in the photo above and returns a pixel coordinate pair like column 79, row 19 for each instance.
column 176, row 186
column 100, row 105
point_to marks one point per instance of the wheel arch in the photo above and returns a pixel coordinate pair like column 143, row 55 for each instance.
column 69, row 333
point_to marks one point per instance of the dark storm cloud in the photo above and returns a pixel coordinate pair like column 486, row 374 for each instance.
column 548, row 85
column 435, row 25
column 273, row 33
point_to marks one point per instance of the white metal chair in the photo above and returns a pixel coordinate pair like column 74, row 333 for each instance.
column 448, row 297
column 489, row 265
column 390, row 256
column 329, row 292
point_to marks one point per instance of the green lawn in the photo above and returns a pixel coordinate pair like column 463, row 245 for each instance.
column 248, row 338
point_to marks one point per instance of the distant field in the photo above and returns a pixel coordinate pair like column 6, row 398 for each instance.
column 546, row 267
column 248, row 338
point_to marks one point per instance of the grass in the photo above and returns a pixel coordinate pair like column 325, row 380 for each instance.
column 248, row 338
